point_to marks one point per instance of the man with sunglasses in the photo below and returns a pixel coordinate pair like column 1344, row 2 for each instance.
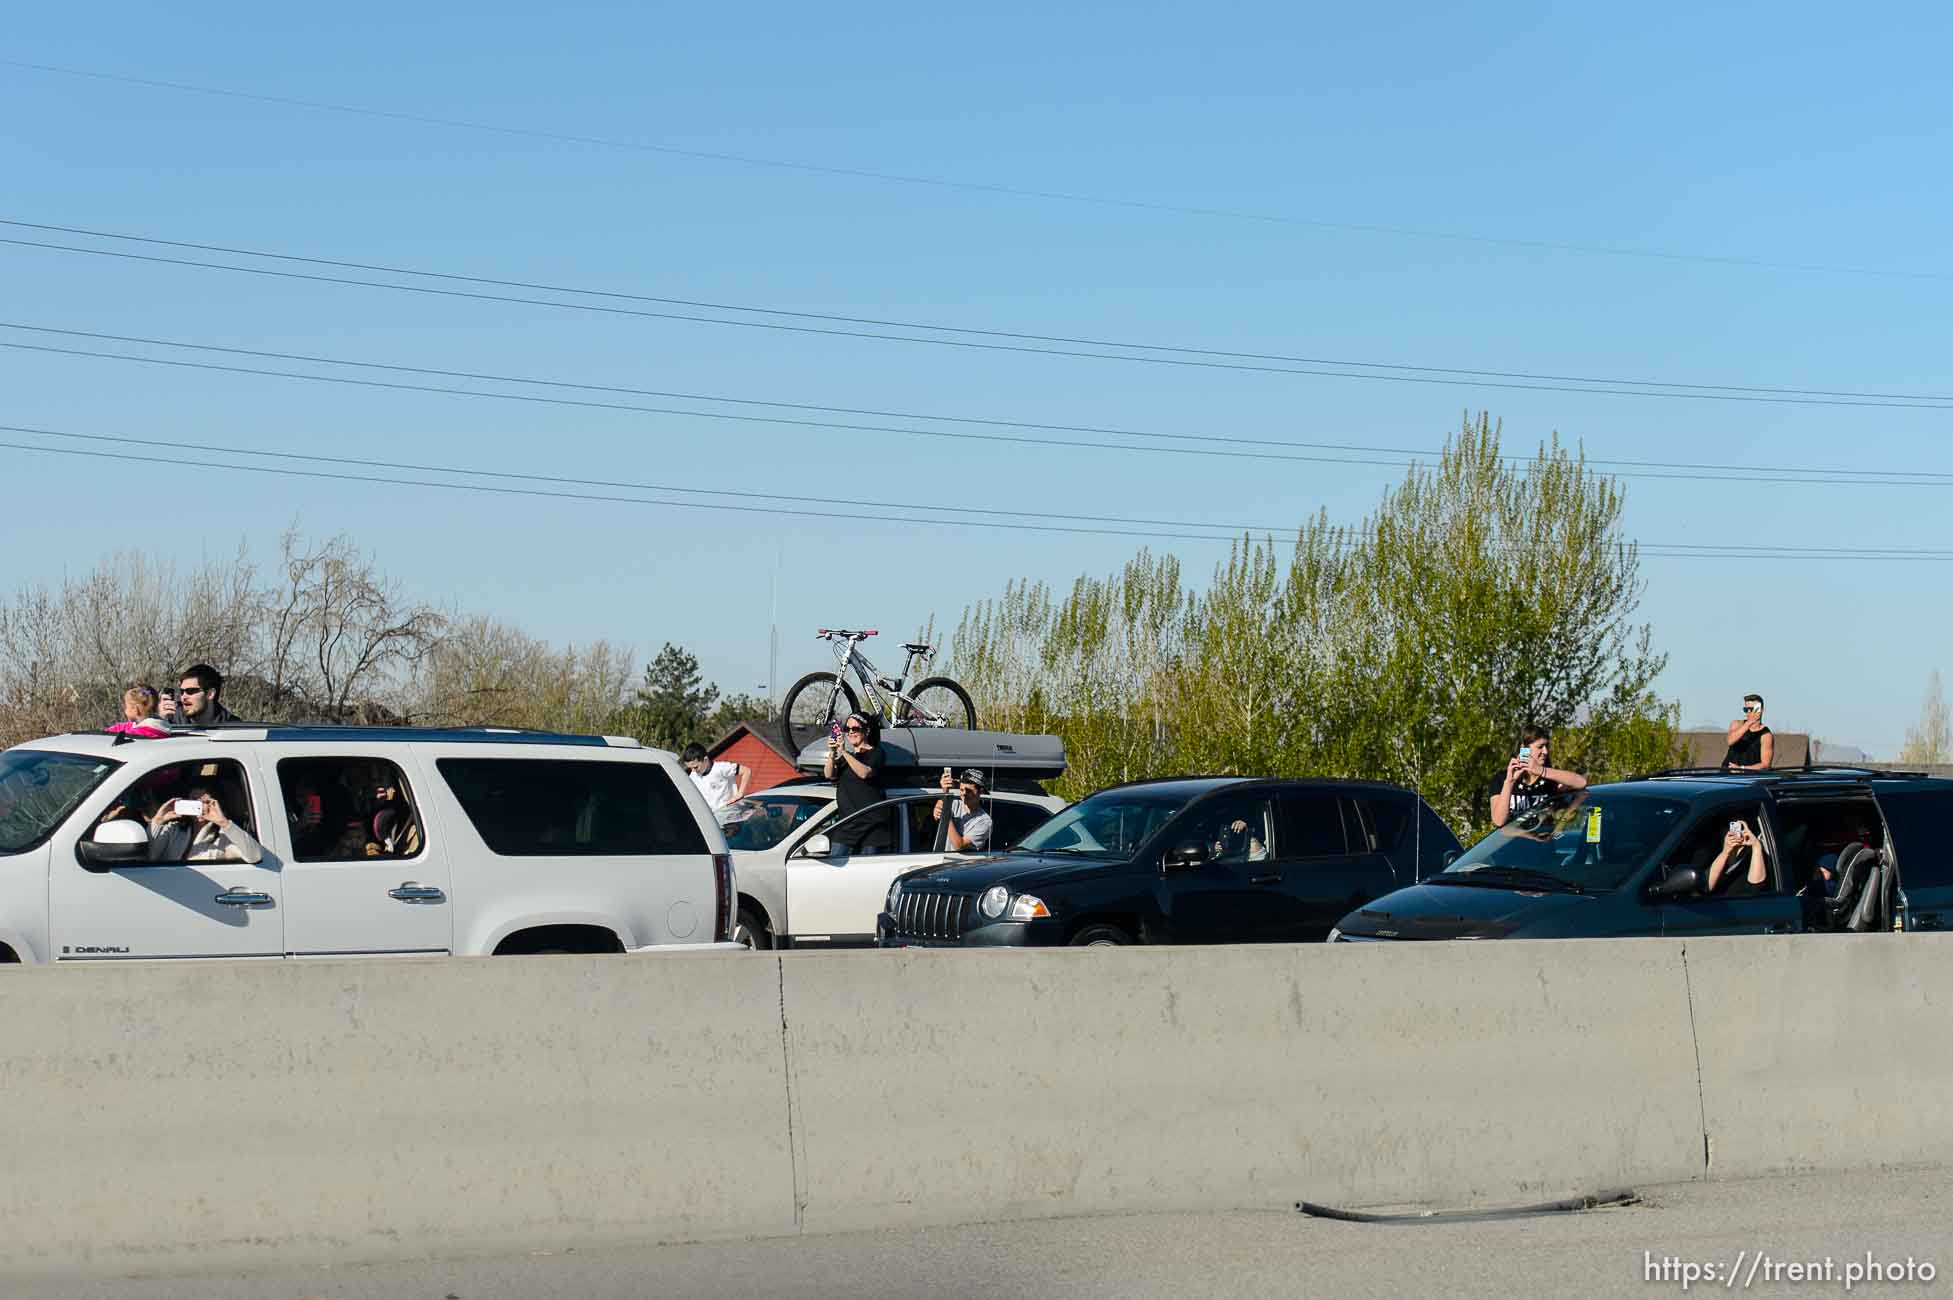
column 1751, row 746
column 197, row 700
column 858, row 768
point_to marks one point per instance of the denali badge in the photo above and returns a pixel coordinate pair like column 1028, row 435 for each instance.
column 97, row 948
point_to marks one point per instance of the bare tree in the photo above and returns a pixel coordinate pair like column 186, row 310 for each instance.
column 1932, row 740
column 335, row 626
column 485, row 672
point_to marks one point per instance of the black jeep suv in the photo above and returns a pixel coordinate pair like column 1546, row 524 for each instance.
column 1188, row 860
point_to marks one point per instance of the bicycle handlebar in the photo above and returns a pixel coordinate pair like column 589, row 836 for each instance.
column 828, row 633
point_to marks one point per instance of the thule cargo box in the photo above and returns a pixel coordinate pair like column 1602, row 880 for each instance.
column 916, row 755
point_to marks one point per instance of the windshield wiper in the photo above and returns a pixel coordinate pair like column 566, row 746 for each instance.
column 1497, row 877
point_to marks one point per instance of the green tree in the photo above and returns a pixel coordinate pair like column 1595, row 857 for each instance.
column 673, row 707
column 1479, row 596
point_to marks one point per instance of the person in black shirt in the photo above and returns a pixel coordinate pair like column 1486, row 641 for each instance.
column 1528, row 782
column 1751, row 746
column 858, row 768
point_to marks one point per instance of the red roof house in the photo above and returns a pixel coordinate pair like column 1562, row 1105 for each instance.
column 760, row 746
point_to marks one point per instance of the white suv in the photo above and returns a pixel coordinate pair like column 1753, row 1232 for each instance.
column 796, row 886
column 353, row 841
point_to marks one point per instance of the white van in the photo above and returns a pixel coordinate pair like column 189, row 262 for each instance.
column 353, row 841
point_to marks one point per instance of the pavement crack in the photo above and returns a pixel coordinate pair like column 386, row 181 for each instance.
column 1695, row 1041
column 793, row 1132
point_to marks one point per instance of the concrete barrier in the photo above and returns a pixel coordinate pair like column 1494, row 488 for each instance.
column 182, row 1115
column 1824, row 1052
column 175, row 1116
column 1075, row 1081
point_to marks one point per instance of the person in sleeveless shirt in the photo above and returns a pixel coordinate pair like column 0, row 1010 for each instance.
column 1751, row 746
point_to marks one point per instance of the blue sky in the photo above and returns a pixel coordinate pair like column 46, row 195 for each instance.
column 1777, row 134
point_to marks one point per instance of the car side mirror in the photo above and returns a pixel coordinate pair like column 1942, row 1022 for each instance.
column 1185, row 857
column 1446, row 858
column 817, row 846
column 104, row 857
column 1681, row 880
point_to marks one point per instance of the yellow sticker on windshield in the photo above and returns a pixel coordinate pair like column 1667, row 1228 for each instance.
column 1593, row 826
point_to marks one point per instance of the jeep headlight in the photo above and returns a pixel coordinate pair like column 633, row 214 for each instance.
column 894, row 897
column 995, row 899
column 1026, row 908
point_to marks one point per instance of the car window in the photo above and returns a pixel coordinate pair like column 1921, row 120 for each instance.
column 1389, row 814
column 872, row 830
column 1921, row 840
column 923, row 827
column 349, row 809
column 1234, row 828
column 1812, row 832
column 1314, row 825
column 1704, row 840
column 1591, row 839
column 1011, row 821
column 39, row 788
column 530, row 807
column 760, row 822
column 1112, row 823
column 149, row 799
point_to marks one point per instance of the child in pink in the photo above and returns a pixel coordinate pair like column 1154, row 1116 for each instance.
column 139, row 714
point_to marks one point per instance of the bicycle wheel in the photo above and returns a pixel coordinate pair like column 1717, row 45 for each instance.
column 813, row 705
column 938, row 697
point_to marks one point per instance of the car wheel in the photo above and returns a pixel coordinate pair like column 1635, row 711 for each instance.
column 751, row 932
column 1100, row 936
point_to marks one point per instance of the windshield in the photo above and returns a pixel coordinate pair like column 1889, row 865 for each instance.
column 38, row 789
column 1591, row 840
column 760, row 822
column 1113, row 824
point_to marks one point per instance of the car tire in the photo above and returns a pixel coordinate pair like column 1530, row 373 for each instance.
column 1101, row 936
column 749, row 931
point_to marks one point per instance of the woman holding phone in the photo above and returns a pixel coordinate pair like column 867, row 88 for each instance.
column 1740, row 837
column 1529, row 782
column 858, row 767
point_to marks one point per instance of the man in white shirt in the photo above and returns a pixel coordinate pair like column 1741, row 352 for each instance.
column 722, row 784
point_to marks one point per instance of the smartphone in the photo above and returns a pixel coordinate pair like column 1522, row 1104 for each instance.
column 946, row 774
column 1737, row 828
column 1525, row 753
column 188, row 807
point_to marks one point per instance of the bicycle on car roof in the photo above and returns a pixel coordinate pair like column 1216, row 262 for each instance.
column 820, row 699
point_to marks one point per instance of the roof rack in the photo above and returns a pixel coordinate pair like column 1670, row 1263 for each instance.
column 366, row 732
column 1821, row 772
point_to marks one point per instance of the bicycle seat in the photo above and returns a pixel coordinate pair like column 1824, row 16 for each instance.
column 917, row 648
column 825, row 632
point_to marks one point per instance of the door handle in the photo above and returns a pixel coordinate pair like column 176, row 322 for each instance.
column 1265, row 880
column 1926, row 921
column 410, row 891
column 234, row 897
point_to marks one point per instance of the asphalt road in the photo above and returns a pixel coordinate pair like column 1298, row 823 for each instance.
column 1614, row 1252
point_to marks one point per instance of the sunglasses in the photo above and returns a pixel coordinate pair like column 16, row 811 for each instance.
column 1752, row 708
column 190, row 690
column 856, row 730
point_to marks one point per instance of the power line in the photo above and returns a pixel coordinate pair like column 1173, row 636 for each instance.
column 981, row 346
column 796, row 505
column 979, row 187
column 1181, row 349
column 1682, row 470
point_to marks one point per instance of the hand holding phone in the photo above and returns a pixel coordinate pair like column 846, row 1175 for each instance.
column 188, row 808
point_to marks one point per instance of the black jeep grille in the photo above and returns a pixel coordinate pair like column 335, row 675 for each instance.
column 932, row 916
